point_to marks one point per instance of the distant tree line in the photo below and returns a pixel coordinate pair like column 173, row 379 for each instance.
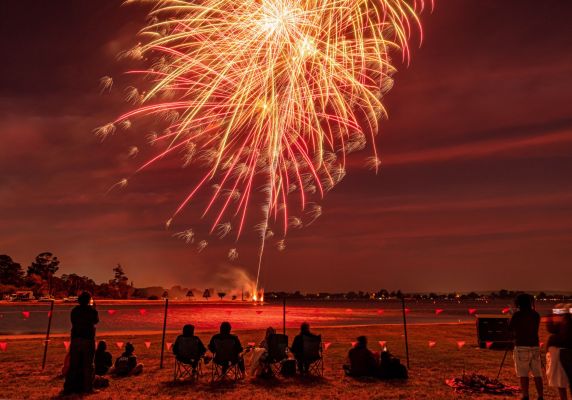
column 40, row 277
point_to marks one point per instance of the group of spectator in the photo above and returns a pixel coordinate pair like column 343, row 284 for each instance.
column 84, row 365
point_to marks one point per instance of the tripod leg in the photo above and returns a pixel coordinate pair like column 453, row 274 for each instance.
column 502, row 363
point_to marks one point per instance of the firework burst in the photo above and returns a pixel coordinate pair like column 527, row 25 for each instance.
column 266, row 93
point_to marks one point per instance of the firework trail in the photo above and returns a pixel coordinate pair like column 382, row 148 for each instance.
column 265, row 93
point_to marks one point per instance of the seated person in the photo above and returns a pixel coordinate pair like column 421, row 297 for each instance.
column 103, row 360
column 298, row 348
column 188, row 348
column 258, row 366
column 225, row 334
column 362, row 361
column 390, row 367
column 126, row 364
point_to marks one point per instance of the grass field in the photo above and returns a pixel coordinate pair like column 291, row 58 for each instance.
column 21, row 378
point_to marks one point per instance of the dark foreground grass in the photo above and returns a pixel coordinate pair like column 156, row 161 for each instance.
column 21, row 378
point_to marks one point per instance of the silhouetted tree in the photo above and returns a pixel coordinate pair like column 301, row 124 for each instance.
column 120, row 282
column 190, row 294
column 207, row 294
column 11, row 272
column 221, row 295
column 45, row 266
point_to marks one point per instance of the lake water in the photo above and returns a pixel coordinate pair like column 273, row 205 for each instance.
column 148, row 316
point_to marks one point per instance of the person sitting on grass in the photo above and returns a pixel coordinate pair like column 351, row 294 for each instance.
column 225, row 334
column 524, row 325
column 298, row 347
column 188, row 348
column 126, row 364
column 362, row 361
column 103, row 359
column 390, row 367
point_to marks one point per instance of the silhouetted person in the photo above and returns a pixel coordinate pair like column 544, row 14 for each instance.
column 298, row 347
column 558, row 347
column 225, row 334
column 362, row 361
column 103, row 359
column 189, row 348
column 84, row 317
column 524, row 324
column 126, row 364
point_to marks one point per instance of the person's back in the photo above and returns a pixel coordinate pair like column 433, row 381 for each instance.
column 127, row 364
column 524, row 324
column 362, row 361
column 83, row 318
column 79, row 376
column 103, row 359
column 232, row 347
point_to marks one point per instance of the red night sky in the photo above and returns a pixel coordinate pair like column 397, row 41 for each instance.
column 474, row 191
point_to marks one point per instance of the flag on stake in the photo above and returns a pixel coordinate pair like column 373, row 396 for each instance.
column 407, row 310
column 119, row 345
column 169, row 346
column 488, row 344
column 382, row 343
column 326, row 345
column 49, row 314
column 67, row 345
column 505, row 310
column 348, row 310
column 472, row 311
column 3, row 346
column 432, row 344
column 142, row 311
column 438, row 311
column 147, row 344
column 541, row 344
column 460, row 344
column 354, row 344
column 228, row 312
column 111, row 312
column 26, row 314
column 380, row 311
column 258, row 312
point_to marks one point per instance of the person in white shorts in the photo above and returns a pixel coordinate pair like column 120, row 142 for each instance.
column 524, row 325
column 560, row 327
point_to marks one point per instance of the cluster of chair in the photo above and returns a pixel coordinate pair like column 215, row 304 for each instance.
column 228, row 364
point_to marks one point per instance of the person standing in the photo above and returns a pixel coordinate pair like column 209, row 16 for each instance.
column 524, row 325
column 84, row 317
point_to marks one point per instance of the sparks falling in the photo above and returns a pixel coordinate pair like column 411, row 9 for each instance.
column 270, row 94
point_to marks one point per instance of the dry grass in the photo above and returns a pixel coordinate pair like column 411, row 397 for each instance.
column 21, row 378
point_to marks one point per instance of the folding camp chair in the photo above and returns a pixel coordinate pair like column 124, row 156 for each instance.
column 312, row 355
column 226, row 361
column 277, row 352
column 188, row 361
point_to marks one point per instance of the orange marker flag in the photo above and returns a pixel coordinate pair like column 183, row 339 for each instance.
column 3, row 346
column 382, row 343
column 432, row 344
column 119, row 345
column 111, row 312
column 147, row 344
column 460, row 344
column 438, row 311
column 67, row 345
column 326, row 345
column 26, row 314
column 488, row 344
